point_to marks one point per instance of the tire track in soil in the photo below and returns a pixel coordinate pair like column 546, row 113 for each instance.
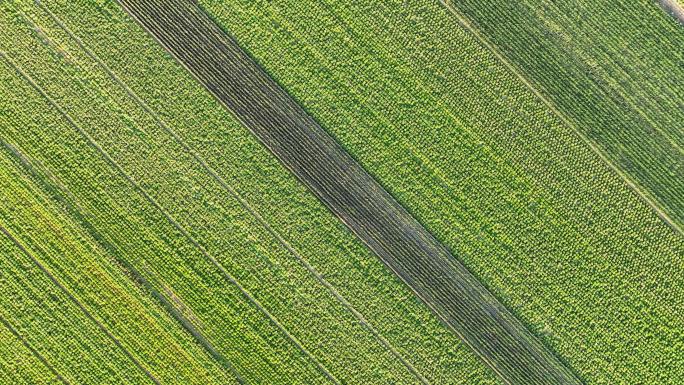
column 229, row 277
column 33, row 351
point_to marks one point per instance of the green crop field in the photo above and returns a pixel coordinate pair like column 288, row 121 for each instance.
column 147, row 236
column 210, row 247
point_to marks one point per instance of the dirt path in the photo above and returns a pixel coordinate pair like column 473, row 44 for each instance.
column 674, row 8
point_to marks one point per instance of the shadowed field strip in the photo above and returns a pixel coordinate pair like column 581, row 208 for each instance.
column 302, row 145
column 618, row 85
column 527, row 207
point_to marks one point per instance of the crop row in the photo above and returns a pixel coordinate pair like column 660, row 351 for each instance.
column 302, row 145
column 19, row 363
column 47, row 319
column 172, row 264
column 488, row 168
column 287, row 206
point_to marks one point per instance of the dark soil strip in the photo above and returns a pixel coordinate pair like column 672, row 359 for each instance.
column 402, row 243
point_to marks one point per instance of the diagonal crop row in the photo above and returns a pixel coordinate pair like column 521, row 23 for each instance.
column 245, row 204
column 174, row 281
column 20, row 362
column 400, row 321
column 95, row 95
column 204, row 252
column 59, row 327
column 94, row 284
column 616, row 80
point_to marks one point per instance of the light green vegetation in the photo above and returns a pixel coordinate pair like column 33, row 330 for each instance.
column 613, row 70
column 155, row 180
column 515, row 193
column 67, row 300
column 18, row 364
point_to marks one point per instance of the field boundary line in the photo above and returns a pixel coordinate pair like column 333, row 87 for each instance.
column 435, row 172
column 644, row 195
column 33, row 351
column 73, row 299
column 55, row 190
column 73, row 210
column 175, row 224
column 243, row 202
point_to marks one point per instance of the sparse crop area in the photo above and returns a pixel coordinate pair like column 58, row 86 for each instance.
column 147, row 236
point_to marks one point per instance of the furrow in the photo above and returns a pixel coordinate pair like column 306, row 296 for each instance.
column 33, row 350
column 79, row 305
column 237, row 196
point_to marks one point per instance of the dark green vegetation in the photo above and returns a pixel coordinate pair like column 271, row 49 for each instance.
column 170, row 264
column 247, row 268
column 612, row 70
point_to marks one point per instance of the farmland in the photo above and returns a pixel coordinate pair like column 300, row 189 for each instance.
column 337, row 180
column 221, row 256
column 149, row 237
column 62, row 286
column 621, row 83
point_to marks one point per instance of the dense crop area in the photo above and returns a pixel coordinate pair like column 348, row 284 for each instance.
column 490, row 169
column 404, row 245
column 613, row 71
column 70, row 303
column 246, row 261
